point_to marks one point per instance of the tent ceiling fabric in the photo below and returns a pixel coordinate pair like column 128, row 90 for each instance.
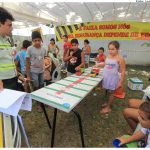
column 29, row 14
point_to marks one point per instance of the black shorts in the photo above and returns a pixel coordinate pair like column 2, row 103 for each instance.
column 10, row 83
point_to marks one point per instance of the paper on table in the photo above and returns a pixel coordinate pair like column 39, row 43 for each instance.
column 8, row 97
column 14, row 108
column 12, row 101
column 27, row 103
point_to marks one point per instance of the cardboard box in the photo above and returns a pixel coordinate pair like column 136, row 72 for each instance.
column 135, row 83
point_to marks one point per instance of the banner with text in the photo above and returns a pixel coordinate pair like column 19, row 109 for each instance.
column 116, row 30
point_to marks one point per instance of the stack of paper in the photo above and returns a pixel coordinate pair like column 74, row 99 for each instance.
column 12, row 101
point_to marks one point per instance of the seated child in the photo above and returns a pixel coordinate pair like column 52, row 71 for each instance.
column 101, row 56
column 47, row 68
column 144, row 119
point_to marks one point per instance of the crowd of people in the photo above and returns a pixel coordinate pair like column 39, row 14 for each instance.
column 34, row 63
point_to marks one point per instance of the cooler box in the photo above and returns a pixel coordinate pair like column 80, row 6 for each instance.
column 135, row 84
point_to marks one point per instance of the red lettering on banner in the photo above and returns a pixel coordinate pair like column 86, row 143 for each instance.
column 90, row 27
column 145, row 34
column 80, row 35
column 108, row 26
column 116, row 34
column 70, row 36
column 134, row 34
column 124, row 26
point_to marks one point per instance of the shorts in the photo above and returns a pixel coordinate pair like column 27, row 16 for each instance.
column 10, row 83
column 37, row 79
column 110, row 91
column 86, row 59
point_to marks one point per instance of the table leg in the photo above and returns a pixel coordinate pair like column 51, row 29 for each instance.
column 45, row 113
column 53, row 127
column 80, row 126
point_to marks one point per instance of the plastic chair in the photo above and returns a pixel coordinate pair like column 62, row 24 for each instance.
column 56, row 75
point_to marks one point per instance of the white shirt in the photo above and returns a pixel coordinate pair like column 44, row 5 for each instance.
column 146, row 131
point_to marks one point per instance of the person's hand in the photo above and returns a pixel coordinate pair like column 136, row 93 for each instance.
column 77, row 68
column 95, row 66
column 1, row 85
column 28, row 79
column 122, row 140
column 71, row 53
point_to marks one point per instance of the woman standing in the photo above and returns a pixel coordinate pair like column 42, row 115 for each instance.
column 53, row 48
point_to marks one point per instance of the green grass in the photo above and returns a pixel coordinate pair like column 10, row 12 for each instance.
column 99, row 130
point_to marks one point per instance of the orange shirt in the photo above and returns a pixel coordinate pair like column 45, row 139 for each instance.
column 67, row 46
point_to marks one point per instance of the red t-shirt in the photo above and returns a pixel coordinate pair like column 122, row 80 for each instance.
column 101, row 57
column 67, row 46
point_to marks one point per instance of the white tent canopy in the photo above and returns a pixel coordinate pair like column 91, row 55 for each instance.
column 29, row 14
column 27, row 31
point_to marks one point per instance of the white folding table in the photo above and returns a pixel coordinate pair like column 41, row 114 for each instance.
column 65, row 94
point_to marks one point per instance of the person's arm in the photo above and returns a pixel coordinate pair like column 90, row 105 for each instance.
column 17, row 65
column 28, row 68
column 104, row 57
column 28, row 64
column 47, row 66
column 67, row 56
column 122, row 71
column 89, row 50
column 1, row 85
column 82, row 62
column 96, row 58
column 136, row 136
column 17, row 62
column 57, row 49
column 102, row 64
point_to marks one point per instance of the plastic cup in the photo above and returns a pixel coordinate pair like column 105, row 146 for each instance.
column 116, row 142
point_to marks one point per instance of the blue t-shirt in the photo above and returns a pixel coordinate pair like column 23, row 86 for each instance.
column 21, row 57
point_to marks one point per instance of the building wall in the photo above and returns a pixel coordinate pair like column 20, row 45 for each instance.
column 133, row 51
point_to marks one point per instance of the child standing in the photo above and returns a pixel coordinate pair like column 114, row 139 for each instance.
column 113, row 65
column 87, row 50
column 74, row 57
column 20, row 59
column 35, row 61
column 66, row 47
column 101, row 56
column 144, row 119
